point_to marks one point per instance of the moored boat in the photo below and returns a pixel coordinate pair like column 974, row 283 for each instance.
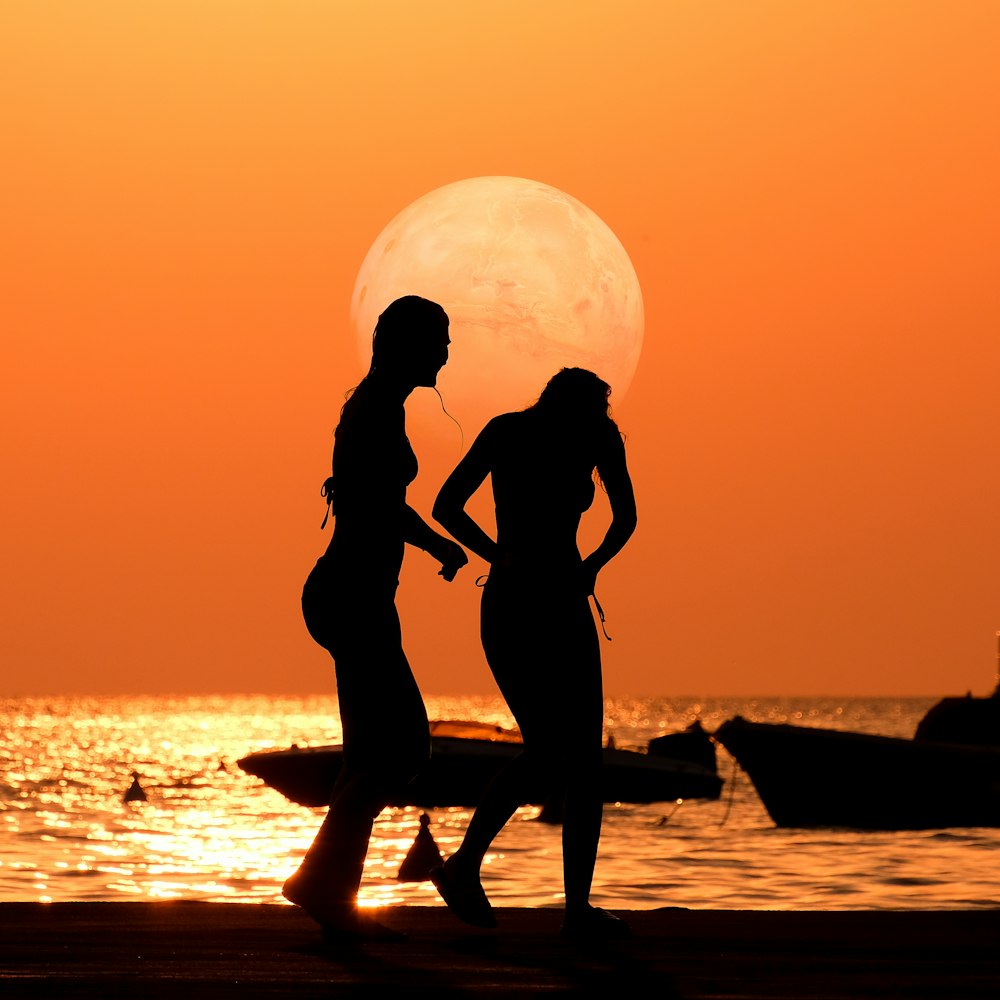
column 948, row 775
column 466, row 755
column 809, row 777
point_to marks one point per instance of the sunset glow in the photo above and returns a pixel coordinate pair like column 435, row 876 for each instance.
column 808, row 194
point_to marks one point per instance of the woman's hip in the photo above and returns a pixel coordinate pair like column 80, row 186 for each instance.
column 350, row 611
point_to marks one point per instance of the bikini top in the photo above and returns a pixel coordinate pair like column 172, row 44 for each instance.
column 373, row 461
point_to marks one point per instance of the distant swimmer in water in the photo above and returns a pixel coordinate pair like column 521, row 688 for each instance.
column 537, row 629
column 348, row 603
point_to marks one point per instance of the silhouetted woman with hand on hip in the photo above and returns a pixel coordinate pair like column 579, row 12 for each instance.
column 538, row 631
column 349, row 607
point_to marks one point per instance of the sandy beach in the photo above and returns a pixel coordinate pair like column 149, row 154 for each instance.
column 190, row 949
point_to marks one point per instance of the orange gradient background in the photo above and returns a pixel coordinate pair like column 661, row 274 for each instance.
column 809, row 194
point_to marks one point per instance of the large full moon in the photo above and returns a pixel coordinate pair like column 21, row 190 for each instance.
column 532, row 280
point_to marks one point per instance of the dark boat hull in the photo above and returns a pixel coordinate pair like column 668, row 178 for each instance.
column 811, row 777
column 460, row 769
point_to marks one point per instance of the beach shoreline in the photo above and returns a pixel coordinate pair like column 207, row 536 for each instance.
column 196, row 949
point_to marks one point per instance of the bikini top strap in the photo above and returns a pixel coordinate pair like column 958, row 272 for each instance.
column 326, row 491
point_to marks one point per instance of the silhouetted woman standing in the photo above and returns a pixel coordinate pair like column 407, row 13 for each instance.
column 349, row 607
column 538, row 631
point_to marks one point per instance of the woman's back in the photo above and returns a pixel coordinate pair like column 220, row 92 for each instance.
column 373, row 464
column 542, row 475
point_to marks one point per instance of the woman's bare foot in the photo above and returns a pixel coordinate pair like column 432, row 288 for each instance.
column 340, row 919
column 463, row 892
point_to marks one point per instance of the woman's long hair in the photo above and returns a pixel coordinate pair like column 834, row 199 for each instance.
column 402, row 333
column 402, row 328
column 575, row 394
column 579, row 400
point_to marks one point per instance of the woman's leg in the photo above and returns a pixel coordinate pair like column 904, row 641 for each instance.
column 521, row 660
column 502, row 798
column 458, row 879
column 582, row 737
column 583, row 807
column 386, row 742
column 552, row 684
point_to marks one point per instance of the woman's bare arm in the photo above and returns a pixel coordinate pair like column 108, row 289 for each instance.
column 418, row 532
column 449, row 507
column 613, row 470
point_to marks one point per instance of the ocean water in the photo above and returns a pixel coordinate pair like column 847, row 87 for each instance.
column 210, row 832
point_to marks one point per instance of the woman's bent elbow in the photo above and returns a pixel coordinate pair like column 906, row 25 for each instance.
column 442, row 512
column 448, row 508
column 628, row 522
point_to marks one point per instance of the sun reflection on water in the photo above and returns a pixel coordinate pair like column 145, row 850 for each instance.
column 208, row 831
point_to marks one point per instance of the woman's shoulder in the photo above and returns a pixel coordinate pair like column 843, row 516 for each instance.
column 609, row 437
column 365, row 410
column 503, row 424
column 610, row 430
column 502, row 435
column 529, row 423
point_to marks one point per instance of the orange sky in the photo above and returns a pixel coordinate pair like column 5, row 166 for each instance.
column 809, row 194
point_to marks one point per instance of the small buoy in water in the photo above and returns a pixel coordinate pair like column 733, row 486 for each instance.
column 135, row 792
column 422, row 856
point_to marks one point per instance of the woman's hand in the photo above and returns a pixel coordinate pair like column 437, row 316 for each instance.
column 450, row 554
column 452, row 557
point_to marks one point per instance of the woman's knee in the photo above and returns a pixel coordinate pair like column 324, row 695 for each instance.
column 405, row 757
column 565, row 763
column 392, row 777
